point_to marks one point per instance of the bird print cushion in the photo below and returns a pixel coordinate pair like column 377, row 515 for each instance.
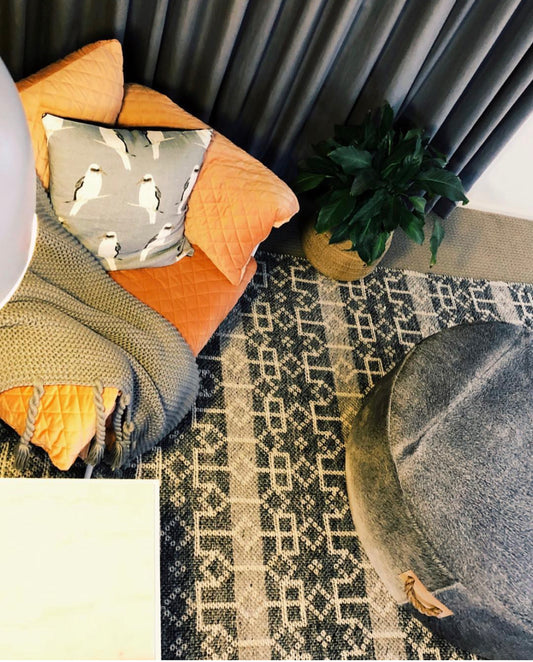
column 124, row 193
column 237, row 200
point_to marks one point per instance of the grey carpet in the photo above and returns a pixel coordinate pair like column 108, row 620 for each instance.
column 477, row 245
column 259, row 555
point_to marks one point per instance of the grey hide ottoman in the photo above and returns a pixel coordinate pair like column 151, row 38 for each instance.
column 439, row 476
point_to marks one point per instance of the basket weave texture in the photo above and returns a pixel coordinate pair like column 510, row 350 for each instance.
column 335, row 260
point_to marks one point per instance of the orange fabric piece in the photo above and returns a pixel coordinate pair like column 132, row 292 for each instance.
column 235, row 203
column 192, row 294
column 86, row 85
column 236, row 200
column 66, row 420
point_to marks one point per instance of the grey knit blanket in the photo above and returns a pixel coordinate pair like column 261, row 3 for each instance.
column 70, row 323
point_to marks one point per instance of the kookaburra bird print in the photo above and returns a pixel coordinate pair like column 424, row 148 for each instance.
column 205, row 137
column 149, row 196
column 108, row 249
column 157, row 240
column 53, row 124
column 154, row 138
column 115, row 141
column 182, row 243
column 87, row 187
column 187, row 189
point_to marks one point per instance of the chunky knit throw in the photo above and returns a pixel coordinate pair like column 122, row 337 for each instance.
column 70, row 323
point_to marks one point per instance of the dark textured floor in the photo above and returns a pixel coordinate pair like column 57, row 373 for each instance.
column 476, row 245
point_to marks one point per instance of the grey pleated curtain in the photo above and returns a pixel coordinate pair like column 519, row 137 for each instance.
column 276, row 75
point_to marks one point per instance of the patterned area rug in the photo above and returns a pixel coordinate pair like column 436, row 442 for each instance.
column 259, row 555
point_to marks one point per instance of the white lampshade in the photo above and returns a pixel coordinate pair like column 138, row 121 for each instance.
column 18, row 224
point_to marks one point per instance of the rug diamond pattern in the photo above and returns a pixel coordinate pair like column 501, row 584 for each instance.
column 258, row 551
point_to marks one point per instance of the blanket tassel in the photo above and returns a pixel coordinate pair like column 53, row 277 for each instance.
column 96, row 451
column 122, row 432
column 22, row 452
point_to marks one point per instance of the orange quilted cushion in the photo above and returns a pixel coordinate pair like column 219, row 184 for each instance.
column 192, row 294
column 86, row 85
column 66, row 420
column 236, row 200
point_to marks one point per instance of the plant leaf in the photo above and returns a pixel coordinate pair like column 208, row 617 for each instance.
column 370, row 135
column 362, row 181
column 418, row 203
column 386, row 119
column 363, row 241
column 364, row 237
column 372, row 244
column 347, row 134
column 372, row 206
column 414, row 133
column 406, row 172
column 365, row 252
column 411, row 225
column 435, row 241
column 390, row 215
column 351, row 159
column 442, row 182
column 379, row 246
column 407, row 152
column 307, row 181
column 433, row 162
column 319, row 165
column 340, row 206
column 433, row 151
column 325, row 146
column 340, row 233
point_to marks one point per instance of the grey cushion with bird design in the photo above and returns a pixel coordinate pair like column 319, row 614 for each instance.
column 124, row 192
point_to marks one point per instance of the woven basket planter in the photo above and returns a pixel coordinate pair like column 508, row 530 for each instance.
column 335, row 260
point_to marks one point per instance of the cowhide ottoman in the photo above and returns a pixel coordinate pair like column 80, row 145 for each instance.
column 439, row 476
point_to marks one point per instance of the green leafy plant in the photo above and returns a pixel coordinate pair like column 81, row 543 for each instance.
column 372, row 178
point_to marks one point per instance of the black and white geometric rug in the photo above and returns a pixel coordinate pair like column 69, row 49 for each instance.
column 259, row 555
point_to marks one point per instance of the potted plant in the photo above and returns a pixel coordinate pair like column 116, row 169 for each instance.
column 368, row 180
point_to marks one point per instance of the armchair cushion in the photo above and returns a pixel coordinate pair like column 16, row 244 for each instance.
column 86, row 85
column 227, row 219
column 192, row 294
column 236, row 200
column 66, row 420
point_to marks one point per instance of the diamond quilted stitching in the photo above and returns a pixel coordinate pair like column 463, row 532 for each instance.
column 66, row 420
column 192, row 294
column 88, row 84
column 236, row 200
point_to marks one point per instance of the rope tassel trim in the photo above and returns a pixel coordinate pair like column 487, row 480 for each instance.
column 122, row 424
column 421, row 599
column 123, row 430
column 23, row 450
column 97, row 449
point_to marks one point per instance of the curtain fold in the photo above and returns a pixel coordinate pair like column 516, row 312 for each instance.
column 403, row 57
column 325, row 46
column 459, row 62
column 364, row 43
column 278, row 70
column 276, row 75
column 240, row 76
column 142, row 37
